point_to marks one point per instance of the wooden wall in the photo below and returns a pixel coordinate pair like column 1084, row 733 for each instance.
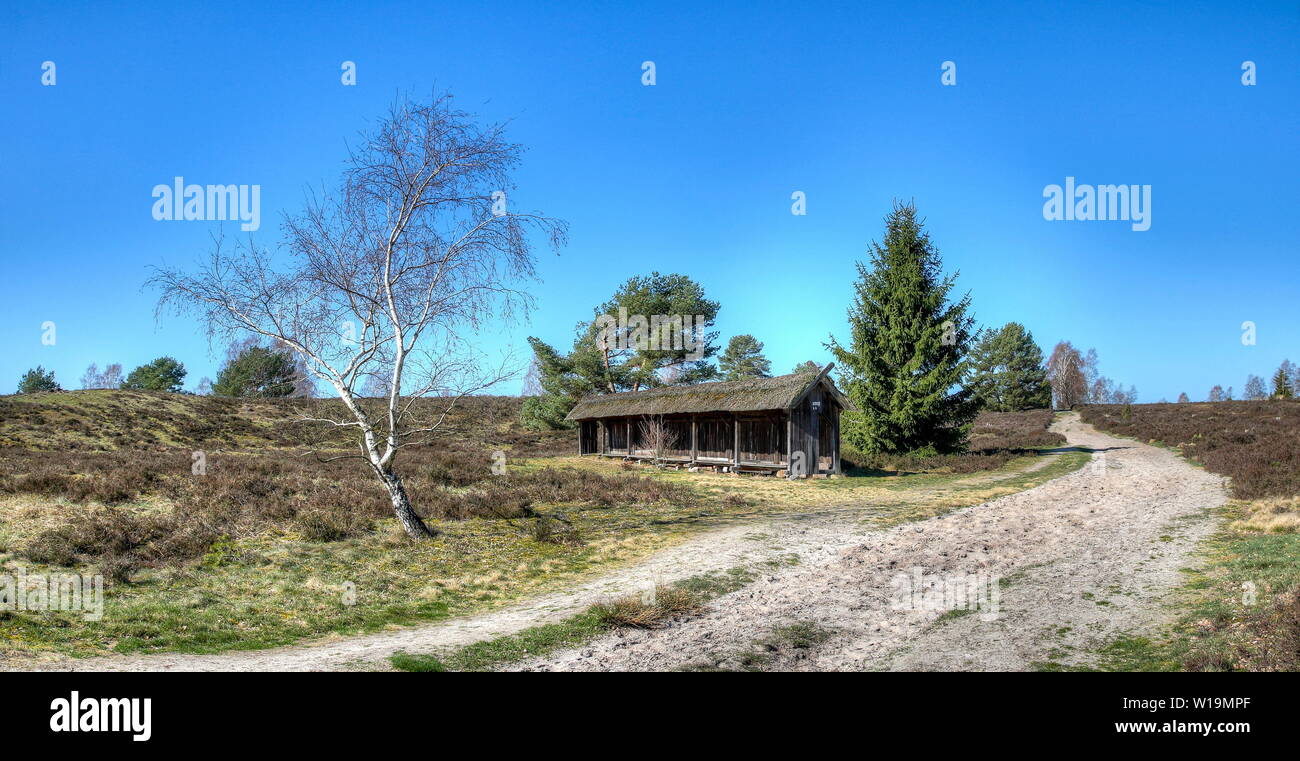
column 766, row 438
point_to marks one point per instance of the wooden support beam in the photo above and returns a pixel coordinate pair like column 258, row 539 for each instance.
column 815, row 436
column 695, row 442
column 789, row 438
column 735, row 431
column 837, row 441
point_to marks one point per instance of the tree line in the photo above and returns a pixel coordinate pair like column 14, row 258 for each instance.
column 1285, row 384
column 251, row 370
column 912, row 361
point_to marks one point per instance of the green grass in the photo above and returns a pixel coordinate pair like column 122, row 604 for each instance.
column 493, row 653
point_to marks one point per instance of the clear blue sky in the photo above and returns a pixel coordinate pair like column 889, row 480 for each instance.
column 753, row 101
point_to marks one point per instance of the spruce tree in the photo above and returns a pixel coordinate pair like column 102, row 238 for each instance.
column 1282, row 381
column 906, row 356
column 1007, row 372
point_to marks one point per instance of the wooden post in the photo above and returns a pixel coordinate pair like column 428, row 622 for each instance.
column 815, row 439
column 735, row 431
column 695, row 446
column 789, row 439
column 836, row 464
column 603, row 443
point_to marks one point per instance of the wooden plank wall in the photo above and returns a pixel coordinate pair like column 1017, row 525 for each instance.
column 762, row 439
column 716, row 438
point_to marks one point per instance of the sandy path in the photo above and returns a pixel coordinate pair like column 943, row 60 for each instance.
column 750, row 543
column 1081, row 559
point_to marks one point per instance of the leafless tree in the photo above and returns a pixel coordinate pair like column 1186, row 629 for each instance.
column 1065, row 373
column 110, row 378
column 533, row 379
column 390, row 277
column 657, row 435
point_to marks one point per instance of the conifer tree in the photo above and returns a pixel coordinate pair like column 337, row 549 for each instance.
column 1007, row 372
column 906, row 355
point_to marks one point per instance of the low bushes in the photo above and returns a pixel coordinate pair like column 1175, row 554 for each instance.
column 1255, row 443
column 323, row 502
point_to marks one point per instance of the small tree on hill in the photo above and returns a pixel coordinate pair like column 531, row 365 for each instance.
column 906, row 353
column 37, row 380
column 110, row 378
column 1065, row 374
column 1216, row 394
column 1282, row 381
column 1183, row 398
column 257, row 372
column 807, row 367
column 744, row 359
column 162, row 374
column 1255, row 389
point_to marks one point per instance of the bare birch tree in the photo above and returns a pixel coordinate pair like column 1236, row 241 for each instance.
column 1065, row 374
column 389, row 278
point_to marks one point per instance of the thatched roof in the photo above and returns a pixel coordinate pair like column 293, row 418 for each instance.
column 779, row 393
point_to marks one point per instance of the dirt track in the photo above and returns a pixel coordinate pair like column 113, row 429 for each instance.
column 1077, row 561
column 1081, row 559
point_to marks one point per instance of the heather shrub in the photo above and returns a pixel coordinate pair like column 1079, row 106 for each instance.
column 1254, row 443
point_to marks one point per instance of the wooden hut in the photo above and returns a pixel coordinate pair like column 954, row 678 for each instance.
column 746, row 425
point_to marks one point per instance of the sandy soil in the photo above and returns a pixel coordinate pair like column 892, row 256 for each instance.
column 1090, row 552
column 1077, row 561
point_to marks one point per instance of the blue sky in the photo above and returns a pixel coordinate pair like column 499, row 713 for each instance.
column 752, row 102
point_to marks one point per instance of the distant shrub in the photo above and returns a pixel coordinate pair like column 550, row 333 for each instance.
column 37, row 380
column 162, row 374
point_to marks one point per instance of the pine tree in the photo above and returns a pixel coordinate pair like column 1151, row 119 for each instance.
column 162, row 374
column 37, row 380
column 906, row 355
column 807, row 367
column 257, row 372
column 1007, row 371
column 744, row 359
column 621, row 355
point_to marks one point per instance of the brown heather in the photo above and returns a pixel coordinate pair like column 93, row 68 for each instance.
column 145, row 507
column 1257, row 444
